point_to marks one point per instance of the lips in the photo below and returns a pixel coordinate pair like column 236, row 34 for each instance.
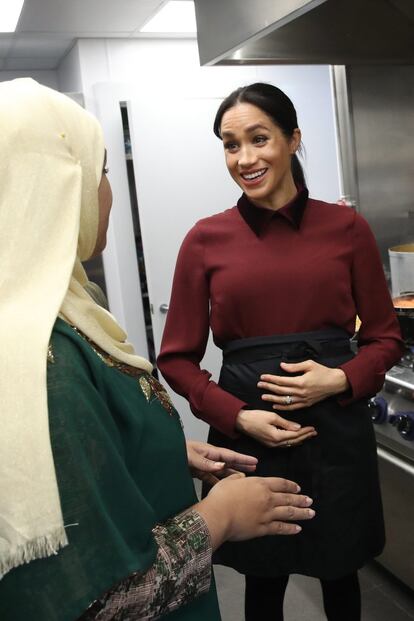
column 254, row 177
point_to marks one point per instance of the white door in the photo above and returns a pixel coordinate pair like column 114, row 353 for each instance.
column 180, row 177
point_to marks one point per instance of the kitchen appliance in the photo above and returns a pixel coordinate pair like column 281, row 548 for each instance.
column 402, row 268
column 393, row 417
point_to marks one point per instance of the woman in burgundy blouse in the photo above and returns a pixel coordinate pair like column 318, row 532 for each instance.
column 279, row 279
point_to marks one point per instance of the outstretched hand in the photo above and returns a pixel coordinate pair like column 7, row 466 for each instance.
column 212, row 463
column 315, row 383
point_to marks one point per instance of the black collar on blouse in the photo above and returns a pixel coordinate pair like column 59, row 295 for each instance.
column 259, row 218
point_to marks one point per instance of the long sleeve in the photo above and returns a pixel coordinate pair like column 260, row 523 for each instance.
column 185, row 339
column 126, row 496
column 181, row 572
column 379, row 339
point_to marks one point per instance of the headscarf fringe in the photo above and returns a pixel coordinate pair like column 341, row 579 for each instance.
column 41, row 547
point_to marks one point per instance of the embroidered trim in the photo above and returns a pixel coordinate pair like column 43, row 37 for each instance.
column 180, row 573
column 50, row 355
column 149, row 385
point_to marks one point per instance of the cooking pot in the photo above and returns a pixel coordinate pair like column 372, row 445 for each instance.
column 404, row 307
column 402, row 268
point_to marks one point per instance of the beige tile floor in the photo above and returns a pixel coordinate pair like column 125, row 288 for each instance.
column 383, row 597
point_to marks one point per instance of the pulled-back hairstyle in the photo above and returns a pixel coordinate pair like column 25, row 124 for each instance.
column 273, row 102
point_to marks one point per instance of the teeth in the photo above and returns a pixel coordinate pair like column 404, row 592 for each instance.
column 254, row 175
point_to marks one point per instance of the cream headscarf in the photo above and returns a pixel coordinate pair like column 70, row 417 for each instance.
column 51, row 157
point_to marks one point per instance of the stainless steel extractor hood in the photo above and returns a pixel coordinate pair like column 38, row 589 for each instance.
column 336, row 32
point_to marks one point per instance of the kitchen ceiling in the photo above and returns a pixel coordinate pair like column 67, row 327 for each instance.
column 47, row 29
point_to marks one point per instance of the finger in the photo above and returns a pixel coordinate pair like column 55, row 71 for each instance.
column 283, row 528
column 300, row 440
column 298, row 367
column 292, row 513
column 230, row 457
column 279, row 390
column 279, row 435
column 242, row 467
column 280, row 380
column 205, row 464
column 295, row 397
column 279, row 421
column 277, row 484
column 288, row 499
column 296, row 405
column 207, row 478
column 228, row 472
column 293, row 406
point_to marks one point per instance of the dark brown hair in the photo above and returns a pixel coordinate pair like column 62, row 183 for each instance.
column 273, row 102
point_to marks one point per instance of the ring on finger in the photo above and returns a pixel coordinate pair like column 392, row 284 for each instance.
column 288, row 444
column 288, row 400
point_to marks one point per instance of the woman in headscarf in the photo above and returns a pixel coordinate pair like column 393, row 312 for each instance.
column 98, row 516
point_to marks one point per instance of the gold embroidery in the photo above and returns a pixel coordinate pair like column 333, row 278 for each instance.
column 148, row 384
column 145, row 387
column 50, row 356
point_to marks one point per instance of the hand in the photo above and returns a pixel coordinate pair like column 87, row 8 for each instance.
column 272, row 430
column 315, row 383
column 244, row 508
column 210, row 463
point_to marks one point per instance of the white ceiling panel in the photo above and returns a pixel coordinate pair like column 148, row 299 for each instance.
column 86, row 16
column 47, row 29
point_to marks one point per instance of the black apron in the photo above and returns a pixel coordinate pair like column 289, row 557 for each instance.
column 337, row 468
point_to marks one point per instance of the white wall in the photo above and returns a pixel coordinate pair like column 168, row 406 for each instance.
column 69, row 72
column 46, row 77
column 155, row 72
column 172, row 66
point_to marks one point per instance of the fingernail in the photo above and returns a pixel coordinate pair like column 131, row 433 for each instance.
column 219, row 463
column 298, row 528
column 311, row 512
column 308, row 500
column 297, row 488
column 296, row 426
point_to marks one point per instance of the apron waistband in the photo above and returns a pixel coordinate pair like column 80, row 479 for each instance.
column 290, row 347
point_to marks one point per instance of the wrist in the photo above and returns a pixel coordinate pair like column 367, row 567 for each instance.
column 241, row 420
column 340, row 381
column 217, row 516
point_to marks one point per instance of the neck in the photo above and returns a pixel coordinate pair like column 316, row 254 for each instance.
column 280, row 197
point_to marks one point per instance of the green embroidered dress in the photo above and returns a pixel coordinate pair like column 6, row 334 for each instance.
column 121, row 467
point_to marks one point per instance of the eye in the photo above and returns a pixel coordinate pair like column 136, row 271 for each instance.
column 260, row 139
column 231, row 146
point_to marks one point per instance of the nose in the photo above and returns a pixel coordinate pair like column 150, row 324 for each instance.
column 247, row 156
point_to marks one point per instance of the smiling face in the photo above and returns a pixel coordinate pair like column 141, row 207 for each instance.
column 258, row 155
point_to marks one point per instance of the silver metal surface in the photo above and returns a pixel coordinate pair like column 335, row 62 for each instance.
column 397, row 483
column 223, row 27
column 331, row 32
column 382, row 102
column 396, row 461
column 345, row 132
column 164, row 308
column 402, row 269
column 396, row 470
column 401, row 376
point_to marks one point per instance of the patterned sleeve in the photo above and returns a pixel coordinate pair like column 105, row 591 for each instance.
column 180, row 573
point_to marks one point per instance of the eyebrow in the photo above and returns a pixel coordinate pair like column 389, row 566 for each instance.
column 249, row 129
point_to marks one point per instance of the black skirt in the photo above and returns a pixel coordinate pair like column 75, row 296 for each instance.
column 337, row 468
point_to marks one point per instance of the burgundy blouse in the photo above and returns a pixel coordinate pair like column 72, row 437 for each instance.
column 249, row 272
